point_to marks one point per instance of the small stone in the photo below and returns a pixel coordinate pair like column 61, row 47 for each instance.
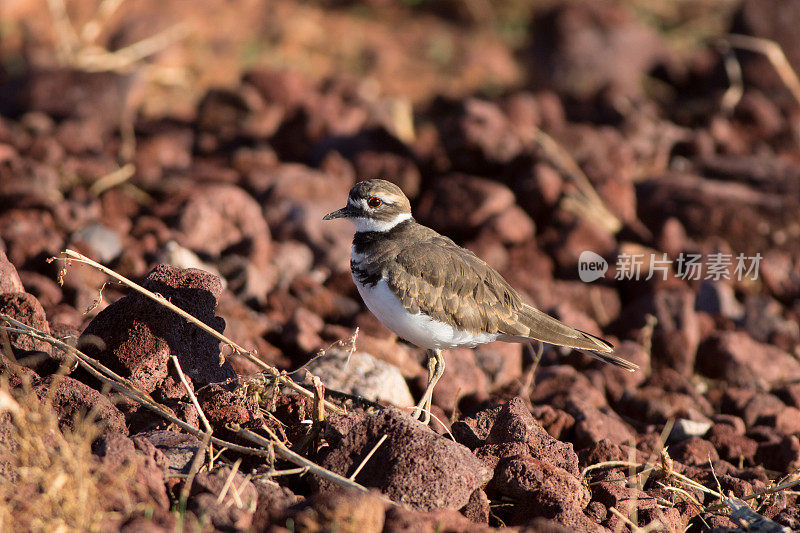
column 179, row 448
column 478, row 508
column 103, row 241
column 684, row 429
column 362, row 375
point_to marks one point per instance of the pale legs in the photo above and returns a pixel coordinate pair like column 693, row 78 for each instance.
column 435, row 371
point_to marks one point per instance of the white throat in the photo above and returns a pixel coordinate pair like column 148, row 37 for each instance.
column 364, row 224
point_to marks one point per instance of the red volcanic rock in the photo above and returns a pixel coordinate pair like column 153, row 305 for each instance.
column 789, row 517
column 556, row 422
column 739, row 360
column 477, row 135
column 531, row 467
column 413, row 466
column 514, row 423
column 459, row 204
column 303, row 330
column 168, row 149
column 223, row 408
column 512, row 226
column 178, row 448
column 342, row 510
column 612, row 492
column 581, row 236
column 137, row 336
column 140, row 464
column 653, row 404
column 273, row 501
column 404, row 520
column 540, row 488
column 217, row 218
column 565, row 49
column 29, row 233
column 72, row 400
column 558, row 385
column 760, row 407
column 677, row 334
column 478, row 508
column 9, row 278
column 25, row 308
column 694, row 451
column 44, row 288
column 731, row 444
column 24, row 178
column 297, row 199
column 616, row 382
column 594, row 424
column 232, row 511
column 782, row 455
column 392, row 167
column 501, row 362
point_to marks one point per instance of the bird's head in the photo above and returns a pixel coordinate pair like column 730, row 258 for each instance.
column 374, row 205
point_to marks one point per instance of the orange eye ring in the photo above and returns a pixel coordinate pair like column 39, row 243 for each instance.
column 374, row 202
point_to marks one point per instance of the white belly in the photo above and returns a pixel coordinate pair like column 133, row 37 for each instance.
column 418, row 329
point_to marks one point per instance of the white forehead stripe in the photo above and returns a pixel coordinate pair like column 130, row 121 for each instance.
column 363, row 224
column 362, row 202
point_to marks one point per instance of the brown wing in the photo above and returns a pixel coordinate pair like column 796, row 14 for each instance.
column 478, row 298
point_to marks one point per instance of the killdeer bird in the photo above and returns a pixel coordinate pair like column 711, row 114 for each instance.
column 436, row 294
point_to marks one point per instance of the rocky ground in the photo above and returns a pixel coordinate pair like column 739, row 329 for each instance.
column 219, row 210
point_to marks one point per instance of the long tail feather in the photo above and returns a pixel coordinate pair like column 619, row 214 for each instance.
column 614, row 360
column 547, row 329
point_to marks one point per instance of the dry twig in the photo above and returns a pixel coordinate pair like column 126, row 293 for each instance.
column 774, row 54
column 192, row 397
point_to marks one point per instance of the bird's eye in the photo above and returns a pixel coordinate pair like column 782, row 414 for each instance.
column 374, row 202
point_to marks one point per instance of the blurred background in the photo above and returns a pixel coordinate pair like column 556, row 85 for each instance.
column 217, row 133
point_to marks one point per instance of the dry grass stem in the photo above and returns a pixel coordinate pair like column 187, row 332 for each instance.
column 367, row 457
column 733, row 94
column 50, row 480
column 585, row 202
column 197, row 463
column 774, row 54
column 78, row 49
column 189, row 391
column 229, row 480
column 771, row 490
column 112, row 179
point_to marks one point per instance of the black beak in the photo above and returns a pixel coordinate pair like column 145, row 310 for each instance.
column 345, row 212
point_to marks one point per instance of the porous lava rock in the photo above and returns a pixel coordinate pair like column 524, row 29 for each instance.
column 414, row 466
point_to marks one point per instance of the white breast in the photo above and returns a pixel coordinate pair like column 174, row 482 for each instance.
column 418, row 328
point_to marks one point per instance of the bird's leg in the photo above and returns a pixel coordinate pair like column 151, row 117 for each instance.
column 435, row 371
column 420, row 408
